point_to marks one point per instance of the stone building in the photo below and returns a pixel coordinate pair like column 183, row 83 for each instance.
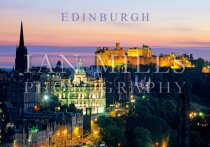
column 82, row 91
column 206, row 69
column 132, row 57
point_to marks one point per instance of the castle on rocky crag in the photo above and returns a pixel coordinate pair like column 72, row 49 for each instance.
column 119, row 56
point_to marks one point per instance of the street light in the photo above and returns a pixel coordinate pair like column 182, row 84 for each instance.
column 95, row 132
column 201, row 114
column 96, row 119
column 45, row 97
column 133, row 101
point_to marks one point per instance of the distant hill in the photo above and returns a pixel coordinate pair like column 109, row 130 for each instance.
column 6, row 69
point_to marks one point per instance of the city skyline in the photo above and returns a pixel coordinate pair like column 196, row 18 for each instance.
column 177, row 31
column 87, row 53
column 104, row 73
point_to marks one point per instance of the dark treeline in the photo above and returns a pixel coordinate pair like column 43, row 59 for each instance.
column 155, row 120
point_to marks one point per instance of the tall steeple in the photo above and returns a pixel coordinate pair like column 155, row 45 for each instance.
column 21, row 43
column 21, row 54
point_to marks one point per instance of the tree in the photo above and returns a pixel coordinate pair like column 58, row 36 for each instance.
column 200, row 62
column 173, row 138
column 157, row 126
column 141, row 110
column 195, row 139
column 53, row 102
column 143, row 137
column 70, row 108
column 50, row 103
column 169, row 105
column 111, row 134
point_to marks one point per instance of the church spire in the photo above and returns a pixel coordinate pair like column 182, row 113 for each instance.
column 21, row 54
column 21, row 35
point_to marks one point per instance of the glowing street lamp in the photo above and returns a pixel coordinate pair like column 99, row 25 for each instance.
column 133, row 101
column 45, row 97
column 201, row 114
column 192, row 115
column 95, row 132
column 131, row 96
column 45, row 100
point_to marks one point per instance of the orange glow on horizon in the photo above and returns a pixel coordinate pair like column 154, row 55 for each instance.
column 60, row 34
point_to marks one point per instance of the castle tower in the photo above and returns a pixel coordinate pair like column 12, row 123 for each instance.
column 117, row 45
column 21, row 54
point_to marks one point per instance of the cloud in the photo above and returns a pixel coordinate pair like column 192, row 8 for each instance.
column 179, row 29
column 183, row 29
column 194, row 43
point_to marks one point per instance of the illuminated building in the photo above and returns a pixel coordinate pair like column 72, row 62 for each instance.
column 82, row 91
column 137, row 55
column 106, row 55
column 80, row 75
column 145, row 51
column 206, row 69
column 69, row 131
column 53, row 129
column 173, row 60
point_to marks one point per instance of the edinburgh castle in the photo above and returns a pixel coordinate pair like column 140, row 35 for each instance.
column 120, row 56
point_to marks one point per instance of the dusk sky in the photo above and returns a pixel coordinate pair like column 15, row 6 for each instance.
column 172, row 24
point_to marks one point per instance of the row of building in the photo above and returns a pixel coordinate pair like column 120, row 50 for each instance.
column 121, row 57
column 25, row 98
column 138, row 55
